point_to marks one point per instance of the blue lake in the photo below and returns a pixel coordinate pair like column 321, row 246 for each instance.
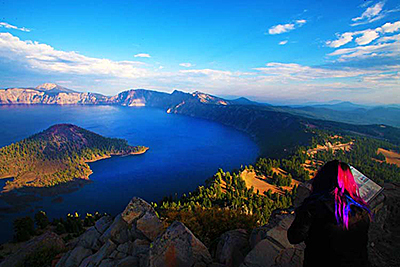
column 183, row 153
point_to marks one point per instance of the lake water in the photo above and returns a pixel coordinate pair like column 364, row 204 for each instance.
column 183, row 153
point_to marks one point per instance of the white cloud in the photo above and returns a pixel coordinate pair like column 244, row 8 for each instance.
column 43, row 57
column 142, row 55
column 214, row 74
column 370, row 14
column 367, row 37
column 274, row 81
column 389, row 38
column 383, row 49
column 186, row 65
column 343, row 39
column 391, row 27
column 297, row 72
column 9, row 26
column 283, row 42
column 282, row 28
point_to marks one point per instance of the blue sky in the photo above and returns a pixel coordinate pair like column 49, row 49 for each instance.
column 273, row 51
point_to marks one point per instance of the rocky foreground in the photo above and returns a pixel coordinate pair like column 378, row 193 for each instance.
column 137, row 237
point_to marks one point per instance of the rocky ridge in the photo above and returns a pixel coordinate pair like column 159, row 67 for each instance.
column 137, row 237
column 50, row 93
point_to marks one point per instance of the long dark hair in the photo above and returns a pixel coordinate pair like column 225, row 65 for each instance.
column 335, row 178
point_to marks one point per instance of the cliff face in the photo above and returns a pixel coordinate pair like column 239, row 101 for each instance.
column 54, row 94
column 35, row 96
column 275, row 132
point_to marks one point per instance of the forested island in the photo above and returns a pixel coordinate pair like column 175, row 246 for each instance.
column 58, row 155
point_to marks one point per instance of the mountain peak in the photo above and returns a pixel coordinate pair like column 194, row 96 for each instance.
column 52, row 87
column 49, row 86
column 209, row 99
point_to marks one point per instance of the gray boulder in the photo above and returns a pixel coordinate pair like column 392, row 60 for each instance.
column 126, row 248
column 232, row 248
column 271, row 247
column 118, row 231
column 103, row 223
column 108, row 263
column 128, row 262
column 275, row 229
column 90, row 239
column 136, row 208
column 178, row 247
column 266, row 254
column 103, row 253
column 74, row 257
column 48, row 240
column 86, row 261
column 150, row 225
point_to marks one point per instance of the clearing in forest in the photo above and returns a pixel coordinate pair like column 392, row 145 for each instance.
column 260, row 182
column 392, row 157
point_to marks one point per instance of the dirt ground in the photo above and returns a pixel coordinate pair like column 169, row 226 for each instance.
column 261, row 182
column 391, row 156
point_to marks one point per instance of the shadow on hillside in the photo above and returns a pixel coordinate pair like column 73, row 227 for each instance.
column 18, row 200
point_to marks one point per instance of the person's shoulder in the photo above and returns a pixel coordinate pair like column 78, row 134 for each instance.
column 317, row 205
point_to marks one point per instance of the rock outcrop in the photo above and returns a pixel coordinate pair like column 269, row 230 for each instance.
column 270, row 246
column 137, row 237
column 232, row 248
column 48, row 240
column 384, row 232
column 124, row 241
column 179, row 247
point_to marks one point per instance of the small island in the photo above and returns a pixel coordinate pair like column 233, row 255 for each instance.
column 58, row 155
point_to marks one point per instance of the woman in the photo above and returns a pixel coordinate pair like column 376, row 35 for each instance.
column 333, row 221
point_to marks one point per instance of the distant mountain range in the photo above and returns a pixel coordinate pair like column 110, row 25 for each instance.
column 50, row 93
column 276, row 128
column 349, row 113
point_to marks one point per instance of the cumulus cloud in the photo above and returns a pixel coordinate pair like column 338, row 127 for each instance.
column 283, row 42
column 343, row 39
column 43, row 57
column 365, row 36
column 282, row 28
column 389, row 38
column 386, row 49
column 186, row 65
column 391, row 27
column 9, row 26
column 273, row 81
column 371, row 14
column 142, row 55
